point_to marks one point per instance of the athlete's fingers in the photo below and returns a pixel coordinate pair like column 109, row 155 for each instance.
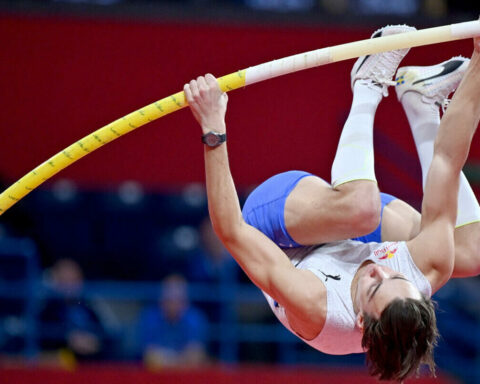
column 225, row 97
column 194, row 89
column 202, row 85
column 188, row 93
column 210, row 79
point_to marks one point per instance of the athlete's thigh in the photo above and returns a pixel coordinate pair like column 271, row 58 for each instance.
column 316, row 213
column 400, row 221
column 265, row 206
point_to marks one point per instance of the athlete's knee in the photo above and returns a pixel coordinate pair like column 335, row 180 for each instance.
column 366, row 217
column 365, row 208
column 467, row 260
column 467, row 251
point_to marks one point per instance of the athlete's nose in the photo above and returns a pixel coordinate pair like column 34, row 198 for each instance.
column 378, row 272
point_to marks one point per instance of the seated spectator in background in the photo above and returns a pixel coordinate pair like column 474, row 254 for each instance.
column 173, row 332
column 211, row 262
column 68, row 324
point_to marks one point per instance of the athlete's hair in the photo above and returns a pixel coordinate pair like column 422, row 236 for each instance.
column 402, row 339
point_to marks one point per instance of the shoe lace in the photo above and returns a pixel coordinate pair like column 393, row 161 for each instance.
column 383, row 73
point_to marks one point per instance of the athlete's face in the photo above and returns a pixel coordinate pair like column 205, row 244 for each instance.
column 377, row 287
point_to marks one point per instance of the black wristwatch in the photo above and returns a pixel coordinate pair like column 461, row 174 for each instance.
column 214, row 139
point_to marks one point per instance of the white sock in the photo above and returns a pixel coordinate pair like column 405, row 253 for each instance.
column 424, row 119
column 354, row 157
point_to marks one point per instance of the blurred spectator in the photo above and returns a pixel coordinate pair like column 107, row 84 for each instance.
column 172, row 333
column 69, row 324
column 19, row 269
column 210, row 262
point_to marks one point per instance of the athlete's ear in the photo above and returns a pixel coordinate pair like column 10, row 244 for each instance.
column 359, row 321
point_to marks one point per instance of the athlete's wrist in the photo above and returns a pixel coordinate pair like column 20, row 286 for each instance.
column 216, row 127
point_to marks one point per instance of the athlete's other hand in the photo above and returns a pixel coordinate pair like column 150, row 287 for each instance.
column 207, row 102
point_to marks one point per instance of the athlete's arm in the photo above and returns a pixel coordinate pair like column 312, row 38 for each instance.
column 299, row 292
column 433, row 248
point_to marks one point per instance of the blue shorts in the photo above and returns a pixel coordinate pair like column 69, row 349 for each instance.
column 264, row 209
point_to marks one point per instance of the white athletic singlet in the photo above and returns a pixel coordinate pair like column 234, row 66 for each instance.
column 335, row 264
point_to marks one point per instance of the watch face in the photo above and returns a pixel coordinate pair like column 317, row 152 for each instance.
column 211, row 139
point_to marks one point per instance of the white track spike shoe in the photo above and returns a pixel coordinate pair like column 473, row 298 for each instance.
column 379, row 69
column 434, row 83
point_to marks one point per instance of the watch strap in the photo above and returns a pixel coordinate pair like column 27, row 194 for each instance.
column 220, row 138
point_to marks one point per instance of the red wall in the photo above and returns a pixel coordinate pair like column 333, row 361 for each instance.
column 61, row 79
column 260, row 375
